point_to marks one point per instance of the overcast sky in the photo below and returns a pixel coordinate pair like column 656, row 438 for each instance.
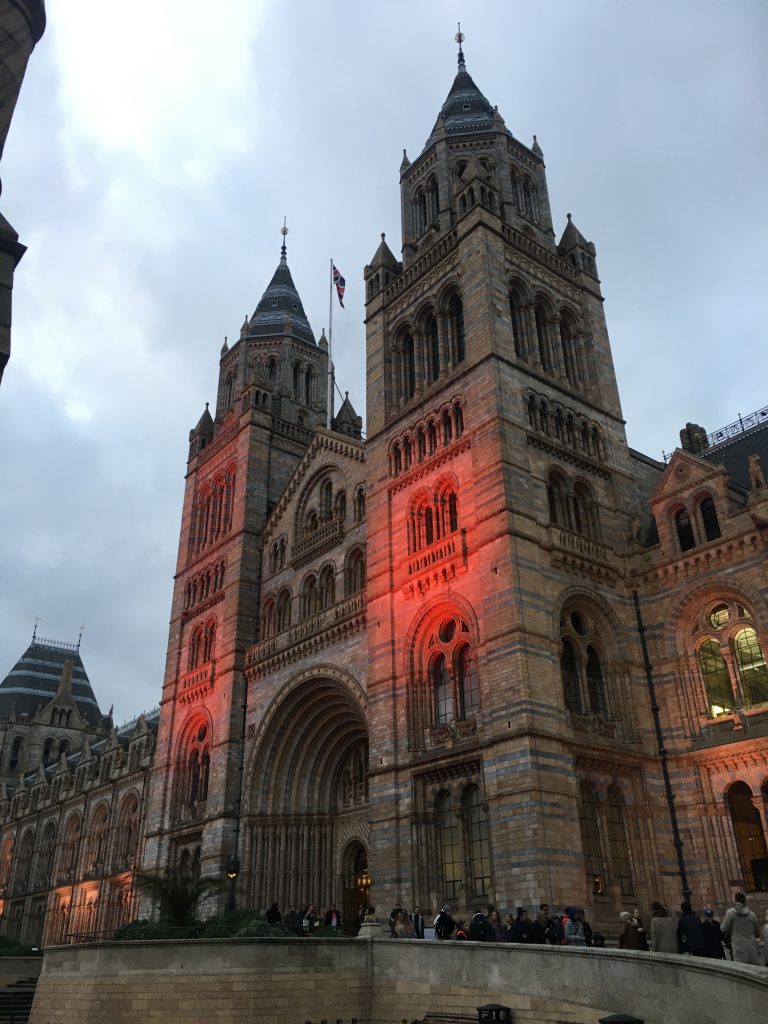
column 152, row 157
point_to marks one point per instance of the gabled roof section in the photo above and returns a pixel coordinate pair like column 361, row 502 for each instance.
column 683, row 472
column 280, row 305
column 323, row 444
column 465, row 111
column 34, row 680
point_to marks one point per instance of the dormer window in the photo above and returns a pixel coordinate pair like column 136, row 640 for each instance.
column 709, row 518
column 684, row 527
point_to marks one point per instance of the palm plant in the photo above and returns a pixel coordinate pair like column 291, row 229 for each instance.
column 178, row 896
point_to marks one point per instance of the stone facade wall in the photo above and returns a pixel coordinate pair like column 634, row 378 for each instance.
column 384, row 982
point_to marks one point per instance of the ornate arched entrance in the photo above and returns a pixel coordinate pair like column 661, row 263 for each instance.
column 308, row 795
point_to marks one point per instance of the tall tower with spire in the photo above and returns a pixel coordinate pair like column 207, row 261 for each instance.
column 271, row 396
column 498, row 511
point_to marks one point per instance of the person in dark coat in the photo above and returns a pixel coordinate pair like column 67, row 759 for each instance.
column 713, row 937
column 417, row 919
column 631, row 936
column 273, row 915
column 690, row 934
column 333, row 918
column 521, row 928
column 480, row 930
column 541, row 926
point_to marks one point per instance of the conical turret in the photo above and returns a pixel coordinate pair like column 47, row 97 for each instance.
column 280, row 305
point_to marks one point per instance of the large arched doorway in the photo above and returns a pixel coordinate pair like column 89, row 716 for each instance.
column 749, row 835
column 308, row 796
column 355, row 886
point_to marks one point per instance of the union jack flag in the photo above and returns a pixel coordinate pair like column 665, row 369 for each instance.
column 340, row 283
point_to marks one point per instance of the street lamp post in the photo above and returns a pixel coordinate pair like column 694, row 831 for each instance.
column 233, row 869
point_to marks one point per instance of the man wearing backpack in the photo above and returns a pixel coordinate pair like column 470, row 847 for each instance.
column 445, row 926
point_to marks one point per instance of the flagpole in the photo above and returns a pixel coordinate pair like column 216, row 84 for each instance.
column 329, row 414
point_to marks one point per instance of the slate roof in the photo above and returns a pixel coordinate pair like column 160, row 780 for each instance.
column 34, row 679
column 465, row 111
column 735, row 451
column 279, row 304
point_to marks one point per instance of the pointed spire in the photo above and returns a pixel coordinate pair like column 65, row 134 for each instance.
column 384, row 257
column 224, row 347
column 536, row 148
column 280, row 309
column 323, row 343
column 205, row 423
column 405, row 163
column 466, row 111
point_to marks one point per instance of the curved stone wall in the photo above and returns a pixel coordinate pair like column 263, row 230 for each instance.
column 290, row 981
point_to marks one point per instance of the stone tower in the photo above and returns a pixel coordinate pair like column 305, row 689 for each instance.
column 271, row 397
column 502, row 649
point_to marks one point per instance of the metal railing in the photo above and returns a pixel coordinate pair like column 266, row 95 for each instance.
column 739, row 426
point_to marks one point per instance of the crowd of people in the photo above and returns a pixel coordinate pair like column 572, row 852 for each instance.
column 304, row 919
column 737, row 937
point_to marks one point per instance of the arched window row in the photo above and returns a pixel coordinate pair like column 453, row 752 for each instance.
column 212, row 512
column 277, row 555
column 427, row 350
column 202, row 645
column 525, row 195
column 437, row 432
column 305, row 384
column 583, row 261
column 276, row 614
column 317, row 593
column 696, row 523
column 192, row 768
column 573, row 506
column 425, row 207
column 204, row 585
column 328, row 503
column 254, row 398
column 475, row 194
column 604, row 842
column 564, row 426
column 731, row 659
column 583, row 668
column 432, row 518
column 549, row 338
column 463, row 841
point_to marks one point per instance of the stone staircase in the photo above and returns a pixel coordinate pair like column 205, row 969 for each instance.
column 16, row 1001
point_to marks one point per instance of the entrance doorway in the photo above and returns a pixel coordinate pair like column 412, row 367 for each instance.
column 355, row 886
column 749, row 835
